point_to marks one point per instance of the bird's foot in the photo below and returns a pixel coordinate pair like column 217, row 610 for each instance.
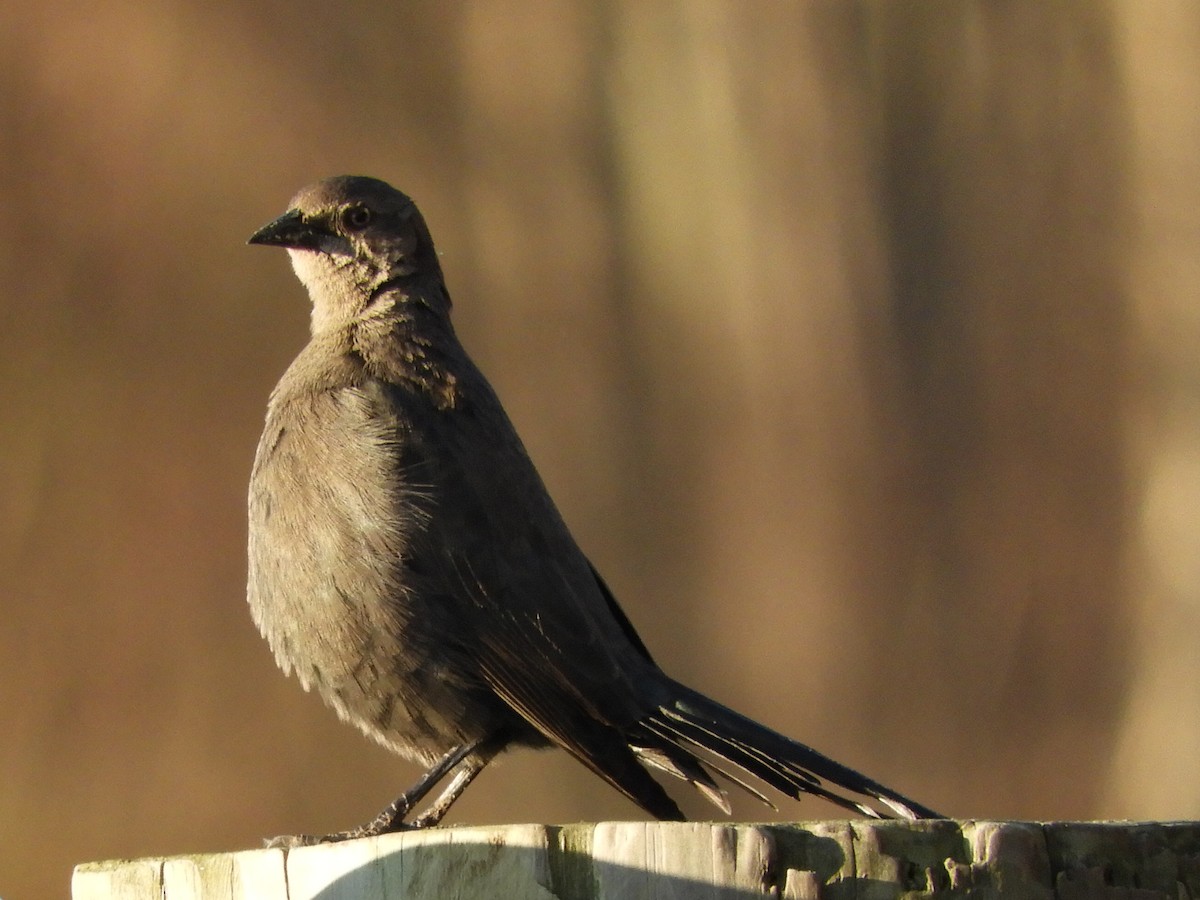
column 291, row 841
column 391, row 819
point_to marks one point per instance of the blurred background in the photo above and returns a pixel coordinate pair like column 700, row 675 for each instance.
column 858, row 341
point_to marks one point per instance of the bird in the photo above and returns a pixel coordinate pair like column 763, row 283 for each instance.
column 407, row 563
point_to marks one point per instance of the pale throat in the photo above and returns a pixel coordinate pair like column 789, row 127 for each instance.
column 329, row 287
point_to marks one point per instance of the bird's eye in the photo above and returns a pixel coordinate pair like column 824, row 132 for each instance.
column 356, row 218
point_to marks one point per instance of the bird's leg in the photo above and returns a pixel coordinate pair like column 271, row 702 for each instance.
column 392, row 818
column 464, row 776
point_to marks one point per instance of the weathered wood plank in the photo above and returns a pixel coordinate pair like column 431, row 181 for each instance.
column 666, row 860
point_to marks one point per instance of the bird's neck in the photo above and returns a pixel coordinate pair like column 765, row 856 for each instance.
column 412, row 345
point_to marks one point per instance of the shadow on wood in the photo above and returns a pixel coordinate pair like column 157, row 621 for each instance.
column 633, row 860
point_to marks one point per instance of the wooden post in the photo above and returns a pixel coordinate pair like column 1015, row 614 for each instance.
column 686, row 860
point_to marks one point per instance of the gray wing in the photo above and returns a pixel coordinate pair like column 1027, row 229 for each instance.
column 538, row 625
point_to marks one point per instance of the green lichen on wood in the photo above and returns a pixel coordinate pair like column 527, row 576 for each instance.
column 570, row 860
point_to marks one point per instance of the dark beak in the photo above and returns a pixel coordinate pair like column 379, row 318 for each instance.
column 289, row 230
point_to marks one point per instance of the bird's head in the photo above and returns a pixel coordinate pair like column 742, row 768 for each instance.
column 353, row 239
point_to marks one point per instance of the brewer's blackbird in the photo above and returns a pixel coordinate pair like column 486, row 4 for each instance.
column 406, row 561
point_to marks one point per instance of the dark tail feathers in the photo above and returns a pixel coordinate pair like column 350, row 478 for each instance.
column 695, row 721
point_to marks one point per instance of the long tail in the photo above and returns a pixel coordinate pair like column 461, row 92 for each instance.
column 692, row 721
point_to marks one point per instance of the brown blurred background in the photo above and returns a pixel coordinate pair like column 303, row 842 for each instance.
column 859, row 343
